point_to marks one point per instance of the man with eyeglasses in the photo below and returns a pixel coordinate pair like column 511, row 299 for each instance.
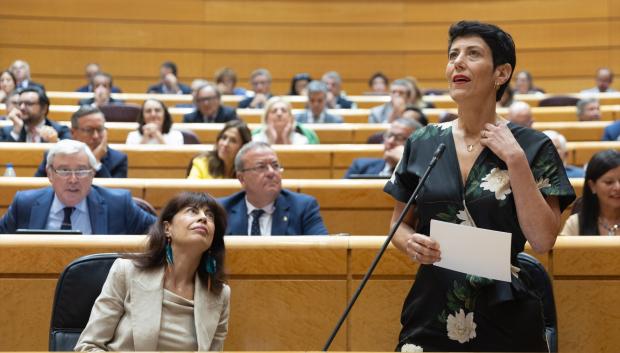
column 263, row 208
column 72, row 202
column 88, row 126
column 400, row 92
column 208, row 107
column 169, row 81
column 261, row 85
column 393, row 144
column 30, row 122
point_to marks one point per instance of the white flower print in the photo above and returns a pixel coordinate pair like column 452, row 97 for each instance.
column 463, row 216
column 445, row 125
column 411, row 348
column 461, row 327
column 543, row 183
column 497, row 181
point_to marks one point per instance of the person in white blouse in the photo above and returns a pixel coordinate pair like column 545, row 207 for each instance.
column 154, row 126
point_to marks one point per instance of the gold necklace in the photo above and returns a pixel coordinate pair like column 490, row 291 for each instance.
column 610, row 228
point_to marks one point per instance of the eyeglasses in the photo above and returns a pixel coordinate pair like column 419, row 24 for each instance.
column 26, row 103
column 263, row 168
column 397, row 138
column 91, row 131
column 79, row 173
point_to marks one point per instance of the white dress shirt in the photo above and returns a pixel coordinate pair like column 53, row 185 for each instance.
column 265, row 221
column 80, row 218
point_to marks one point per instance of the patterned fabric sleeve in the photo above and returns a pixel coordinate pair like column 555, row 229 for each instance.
column 550, row 176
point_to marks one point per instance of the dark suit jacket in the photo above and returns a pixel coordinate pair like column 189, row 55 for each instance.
column 245, row 103
column 89, row 88
column 90, row 101
column 295, row 214
column 111, row 211
column 224, row 114
column 612, row 132
column 113, row 165
column 30, row 83
column 343, row 103
column 367, row 166
column 62, row 130
column 159, row 88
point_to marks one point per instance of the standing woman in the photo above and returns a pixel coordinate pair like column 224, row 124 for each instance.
column 173, row 296
column 493, row 175
column 154, row 126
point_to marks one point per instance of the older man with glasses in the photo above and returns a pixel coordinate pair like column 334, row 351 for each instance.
column 263, row 208
column 72, row 202
column 209, row 108
column 88, row 126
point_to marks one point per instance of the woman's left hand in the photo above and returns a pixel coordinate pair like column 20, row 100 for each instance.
column 500, row 140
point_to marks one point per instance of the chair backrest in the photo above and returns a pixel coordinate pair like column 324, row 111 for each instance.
column 543, row 287
column 123, row 113
column 145, row 205
column 77, row 289
column 558, row 101
column 189, row 137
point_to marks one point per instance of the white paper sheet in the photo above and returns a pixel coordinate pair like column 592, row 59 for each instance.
column 476, row 251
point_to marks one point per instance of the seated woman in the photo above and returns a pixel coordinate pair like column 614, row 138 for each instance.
column 154, row 126
column 7, row 85
column 173, row 296
column 279, row 126
column 220, row 163
column 599, row 213
column 298, row 84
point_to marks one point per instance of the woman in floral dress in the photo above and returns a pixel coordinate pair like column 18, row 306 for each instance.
column 493, row 175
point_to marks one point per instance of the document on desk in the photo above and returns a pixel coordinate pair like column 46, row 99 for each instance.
column 476, row 251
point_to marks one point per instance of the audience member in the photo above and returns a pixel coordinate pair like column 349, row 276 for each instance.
column 415, row 113
column 172, row 296
column 209, row 108
column 279, row 127
column 506, row 99
column 154, row 126
column 102, row 83
column 520, row 113
column 226, row 80
column 588, row 109
column 524, row 84
column 11, row 102
column 220, row 162
column 72, row 202
column 416, row 97
column 599, row 213
column 88, row 126
column 604, row 79
column 316, row 111
column 335, row 97
column 559, row 141
column 30, row 122
column 8, row 84
column 393, row 141
column 261, row 84
column 400, row 93
column 90, row 70
column 169, row 81
column 21, row 71
column 299, row 84
column 378, row 84
column 263, row 207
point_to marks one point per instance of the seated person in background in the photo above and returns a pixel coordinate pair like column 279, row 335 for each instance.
column 316, row 111
column 599, row 213
column 209, row 108
column 520, row 113
column 154, row 126
column 72, row 202
column 263, row 207
column 279, row 126
column 11, row 102
column 588, row 109
column 506, row 99
column 393, row 141
column 415, row 113
column 169, row 81
column 220, row 162
column 416, row 97
column 90, row 70
column 335, row 97
column 30, row 122
column 8, row 84
column 298, row 84
column 88, row 126
column 612, row 131
column 21, row 71
column 261, row 84
column 524, row 84
column 559, row 141
column 226, row 80
column 400, row 92
column 378, row 84
column 604, row 78
column 172, row 296
column 102, row 83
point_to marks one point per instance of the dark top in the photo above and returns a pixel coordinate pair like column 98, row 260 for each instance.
column 245, row 103
column 113, row 165
column 89, row 88
column 62, row 130
column 507, row 316
column 223, row 115
column 159, row 88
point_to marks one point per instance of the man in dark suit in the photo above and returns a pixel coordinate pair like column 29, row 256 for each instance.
column 72, row 202
column 261, row 85
column 30, row 122
column 263, row 207
column 169, row 83
column 316, row 110
column 209, row 108
column 90, row 71
column 393, row 141
column 102, row 87
column 21, row 70
column 88, row 126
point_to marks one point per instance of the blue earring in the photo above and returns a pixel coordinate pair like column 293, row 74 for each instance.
column 169, row 258
column 210, row 264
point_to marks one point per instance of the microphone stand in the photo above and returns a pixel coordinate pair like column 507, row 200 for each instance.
column 375, row 262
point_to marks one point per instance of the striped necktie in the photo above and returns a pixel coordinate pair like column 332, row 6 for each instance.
column 66, row 222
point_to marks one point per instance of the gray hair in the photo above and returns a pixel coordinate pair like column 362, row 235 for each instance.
column 83, row 111
column 260, row 72
column 404, row 83
column 333, row 75
column 408, row 123
column 581, row 104
column 554, row 135
column 518, row 106
column 250, row 146
column 69, row 147
column 316, row 87
column 205, row 85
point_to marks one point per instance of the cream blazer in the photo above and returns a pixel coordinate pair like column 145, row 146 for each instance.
column 127, row 314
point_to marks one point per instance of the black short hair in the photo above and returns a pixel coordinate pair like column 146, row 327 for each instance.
column 43, row 99
column 170, row 65
column 380, row 75
column 501, row 44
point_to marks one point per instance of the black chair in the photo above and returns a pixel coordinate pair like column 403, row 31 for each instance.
column 78, row 286
column 542, row 286
column 189, row 137
column 558, row 101
column 124, row 113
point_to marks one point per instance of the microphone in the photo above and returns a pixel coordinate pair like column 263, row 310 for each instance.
column 438, row 153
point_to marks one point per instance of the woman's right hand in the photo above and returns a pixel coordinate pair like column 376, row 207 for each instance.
column 423, row 249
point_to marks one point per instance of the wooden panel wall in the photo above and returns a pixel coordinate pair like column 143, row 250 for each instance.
column 560, row 42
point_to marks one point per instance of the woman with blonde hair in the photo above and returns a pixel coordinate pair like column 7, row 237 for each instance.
column 279, row 126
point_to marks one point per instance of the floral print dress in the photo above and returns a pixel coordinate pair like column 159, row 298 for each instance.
column 451, row 311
